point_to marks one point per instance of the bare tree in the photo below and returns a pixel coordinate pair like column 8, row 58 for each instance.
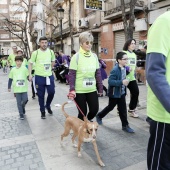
column 18, row 27
column 128, row 26
column 71, row 26
column 51, row 10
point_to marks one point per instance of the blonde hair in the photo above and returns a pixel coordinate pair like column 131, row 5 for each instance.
column 85, row 36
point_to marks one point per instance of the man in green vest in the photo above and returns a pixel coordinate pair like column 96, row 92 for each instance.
column 158, row 99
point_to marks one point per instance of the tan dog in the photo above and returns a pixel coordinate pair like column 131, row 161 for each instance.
column 85, row 130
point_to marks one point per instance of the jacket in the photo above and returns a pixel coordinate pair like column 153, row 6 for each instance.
column 115, row 83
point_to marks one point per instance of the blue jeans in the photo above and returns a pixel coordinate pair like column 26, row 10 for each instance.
column 40, row 83
column 22, row 99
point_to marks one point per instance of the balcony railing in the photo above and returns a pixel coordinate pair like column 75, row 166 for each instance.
column 65, row 30
column 118, row 9
column 55, row 2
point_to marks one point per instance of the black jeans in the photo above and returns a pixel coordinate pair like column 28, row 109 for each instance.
column 90, row 99
column 158, row 154
column 121, row 102
column 134, row 93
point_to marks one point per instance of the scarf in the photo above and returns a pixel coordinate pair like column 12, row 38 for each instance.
column 85, row 53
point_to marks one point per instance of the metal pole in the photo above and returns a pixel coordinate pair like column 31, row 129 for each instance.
column 61, row 29
column 0, row 49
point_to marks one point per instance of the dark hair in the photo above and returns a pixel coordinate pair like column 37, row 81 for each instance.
column 73, row 52
column 56, row 52
column 127, row 43
column 120, row 55
column 19, row 58
column 43, row 38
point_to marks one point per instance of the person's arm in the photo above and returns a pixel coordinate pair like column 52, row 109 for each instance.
column 155, row 75
column 9, row 84
column 99, row 83
column 103, row 64
column 112, row 81
column 72, row 79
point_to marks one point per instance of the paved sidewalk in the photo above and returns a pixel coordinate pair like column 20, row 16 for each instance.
column 34, row 143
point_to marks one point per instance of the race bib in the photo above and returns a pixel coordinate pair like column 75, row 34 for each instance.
column 20, row 83
column 47, row 67
column 132, row 61
column 88, row 82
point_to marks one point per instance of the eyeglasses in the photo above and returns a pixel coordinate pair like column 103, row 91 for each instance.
column 124, row 58
column 87, row 42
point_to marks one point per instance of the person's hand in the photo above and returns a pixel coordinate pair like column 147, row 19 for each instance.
column 125, row 82
column 71, row 95
column 100, row 94
column 30, row 77
column 9, row 90
column 130, row 69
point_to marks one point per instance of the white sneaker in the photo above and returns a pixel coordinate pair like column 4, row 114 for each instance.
column 132, row 113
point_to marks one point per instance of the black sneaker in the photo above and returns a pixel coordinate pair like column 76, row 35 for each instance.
column 21, row 117
column 49, row 111
column 128, row 129
column 43, row 115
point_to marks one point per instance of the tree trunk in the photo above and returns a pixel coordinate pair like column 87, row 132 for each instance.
column 128, row 26
column 71, row 27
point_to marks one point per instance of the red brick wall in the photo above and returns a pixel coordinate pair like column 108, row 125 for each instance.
column 107, row 41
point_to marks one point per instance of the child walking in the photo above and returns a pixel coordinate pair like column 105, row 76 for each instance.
column 18, row 79
column 117, row 83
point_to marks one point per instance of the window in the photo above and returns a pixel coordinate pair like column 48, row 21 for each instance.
column 3, row 2
column 3, row 10
column 6, row 44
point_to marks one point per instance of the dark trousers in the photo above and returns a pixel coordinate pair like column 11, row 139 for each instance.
column 90, row 99
column 121, row 102
column 40, row 83
column 134, row 93
column 158, row 154
column 33, row 91
column 57, row 71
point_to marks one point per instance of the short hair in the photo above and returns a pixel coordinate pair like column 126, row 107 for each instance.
column 85, row 36
column 19, row 51
column 73, row 52
column 17, row 58
column 43, row 38
column 127, row 43
column 120, row 55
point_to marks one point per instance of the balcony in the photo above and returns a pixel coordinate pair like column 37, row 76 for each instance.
column 117, row 12
column 34, row 18
column 34, row 2
column 65, row 30
column 56, row 2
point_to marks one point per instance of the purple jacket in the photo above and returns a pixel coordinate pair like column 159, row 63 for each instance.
column 65, row 57
column 102, row 69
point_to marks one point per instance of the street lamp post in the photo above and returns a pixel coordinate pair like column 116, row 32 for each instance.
column 60, row 12
column 35, row 34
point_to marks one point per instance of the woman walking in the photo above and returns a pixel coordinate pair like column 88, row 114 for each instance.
column 132, row 86
column 85, row 77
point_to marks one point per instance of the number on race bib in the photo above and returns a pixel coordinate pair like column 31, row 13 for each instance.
column 20, row 83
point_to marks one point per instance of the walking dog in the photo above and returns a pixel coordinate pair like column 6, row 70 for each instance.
column 86, row 131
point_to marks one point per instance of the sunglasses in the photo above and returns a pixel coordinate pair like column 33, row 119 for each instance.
column 124, row 58
column 87, row 42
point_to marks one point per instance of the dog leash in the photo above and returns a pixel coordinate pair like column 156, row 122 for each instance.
column 79, row 108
